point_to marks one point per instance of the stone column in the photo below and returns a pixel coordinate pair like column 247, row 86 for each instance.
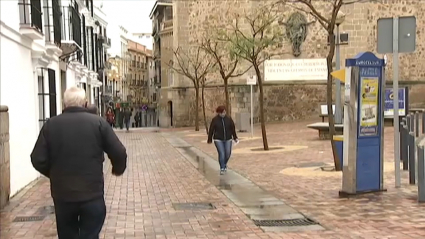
column 4, row 157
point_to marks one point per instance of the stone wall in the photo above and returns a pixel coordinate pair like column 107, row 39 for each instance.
column 281, row 102
column 360, row 24
column 4, row 157
column 289, row 101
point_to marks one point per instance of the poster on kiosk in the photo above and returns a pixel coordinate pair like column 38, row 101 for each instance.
column 363, row 125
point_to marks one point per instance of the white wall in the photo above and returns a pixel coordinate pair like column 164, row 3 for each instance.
column 18, row 91
column 9, row 13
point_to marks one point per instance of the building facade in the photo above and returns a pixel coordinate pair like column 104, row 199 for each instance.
column 163, row 43
column 284, row 100
column 139, row 73
column 119, row 60
column 46, row 47
column 101, row 95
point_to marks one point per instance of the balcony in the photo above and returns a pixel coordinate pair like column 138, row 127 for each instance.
column 71, row 30
column 107, row 43
column 30, row 19
column 53, row 26
column 167, row 25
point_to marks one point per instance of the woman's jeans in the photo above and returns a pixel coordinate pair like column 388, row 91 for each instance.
column 224, row 149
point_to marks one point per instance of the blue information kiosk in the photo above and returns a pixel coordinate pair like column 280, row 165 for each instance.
column 363, row 125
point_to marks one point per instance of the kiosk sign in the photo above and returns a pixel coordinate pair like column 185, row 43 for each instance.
column 369, row 106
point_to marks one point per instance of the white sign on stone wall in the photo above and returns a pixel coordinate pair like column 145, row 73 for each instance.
column 295, row 70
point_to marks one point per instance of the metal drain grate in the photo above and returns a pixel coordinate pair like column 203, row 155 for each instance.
column 285, row 223
column 193, row 206
column 29, row 219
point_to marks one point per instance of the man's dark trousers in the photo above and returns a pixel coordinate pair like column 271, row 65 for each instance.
column 80, row 220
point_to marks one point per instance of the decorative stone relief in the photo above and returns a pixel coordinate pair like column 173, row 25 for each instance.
column 296, row 31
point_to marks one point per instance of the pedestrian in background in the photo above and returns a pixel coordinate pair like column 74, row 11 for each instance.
column 110, row 117
column 222, row 130
column 127, row 118
column 70, row 152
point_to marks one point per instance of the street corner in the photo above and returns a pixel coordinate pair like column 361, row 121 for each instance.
column 272, row 149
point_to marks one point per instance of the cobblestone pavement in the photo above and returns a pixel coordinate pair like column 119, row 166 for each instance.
column 140, row 202
column 393, row 214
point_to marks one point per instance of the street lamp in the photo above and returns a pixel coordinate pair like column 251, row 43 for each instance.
column 340, row 18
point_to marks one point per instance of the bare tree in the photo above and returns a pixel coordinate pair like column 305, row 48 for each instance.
column 255, row 42
column 193, row 63
column 204, row 82
column 328, row 21
column 226, row 64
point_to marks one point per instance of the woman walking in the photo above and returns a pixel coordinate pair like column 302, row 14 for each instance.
column 222, row 131
column 110, row 117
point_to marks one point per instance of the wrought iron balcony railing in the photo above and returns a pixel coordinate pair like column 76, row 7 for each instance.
column 30, row 14
column 53, row 22
column 71, row 21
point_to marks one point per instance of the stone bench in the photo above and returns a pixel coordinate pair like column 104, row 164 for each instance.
column 323, row 128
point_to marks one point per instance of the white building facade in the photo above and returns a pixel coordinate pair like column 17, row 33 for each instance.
column 119, row 50
column 46, row 47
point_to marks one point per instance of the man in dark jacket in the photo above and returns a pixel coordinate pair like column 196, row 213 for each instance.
column 93, row 109
column 70, row 152
column 127, row 117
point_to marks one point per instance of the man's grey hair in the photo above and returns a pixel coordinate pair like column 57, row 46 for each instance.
column 74, row 97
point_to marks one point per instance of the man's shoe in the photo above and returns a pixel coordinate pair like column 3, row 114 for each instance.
column 222, row 171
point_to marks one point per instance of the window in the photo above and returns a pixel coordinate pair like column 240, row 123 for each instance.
column 46, row 95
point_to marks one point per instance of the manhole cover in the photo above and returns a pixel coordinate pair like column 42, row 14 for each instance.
column 310, row 165
column 270, row 149
column 193, row 206
column 285, row 223
column 46, row 210
column 29, row 219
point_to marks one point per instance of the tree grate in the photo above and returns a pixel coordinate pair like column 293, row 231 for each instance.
column 285, row 223
column 193, row 206
column 29, row 219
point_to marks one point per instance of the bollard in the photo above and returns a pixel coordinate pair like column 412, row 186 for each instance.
column 421, row 174
column 412, row 162
column 404, row 145
column 417, row 124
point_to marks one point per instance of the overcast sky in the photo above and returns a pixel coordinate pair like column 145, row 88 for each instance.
column 131, row 14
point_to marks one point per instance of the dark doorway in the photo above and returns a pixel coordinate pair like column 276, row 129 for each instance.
column 63, row 85
column 52, row 93
column 170, row 112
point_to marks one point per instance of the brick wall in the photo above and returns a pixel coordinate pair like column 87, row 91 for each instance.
column 4, row 157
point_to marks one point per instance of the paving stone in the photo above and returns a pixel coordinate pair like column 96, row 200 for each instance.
column 393, row 214
column 139, row 203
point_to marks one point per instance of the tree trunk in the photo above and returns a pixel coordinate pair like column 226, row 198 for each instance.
column 197, row 108
column 203, row 107
column 226, row 93
column 262, row 120
column 329, row 93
